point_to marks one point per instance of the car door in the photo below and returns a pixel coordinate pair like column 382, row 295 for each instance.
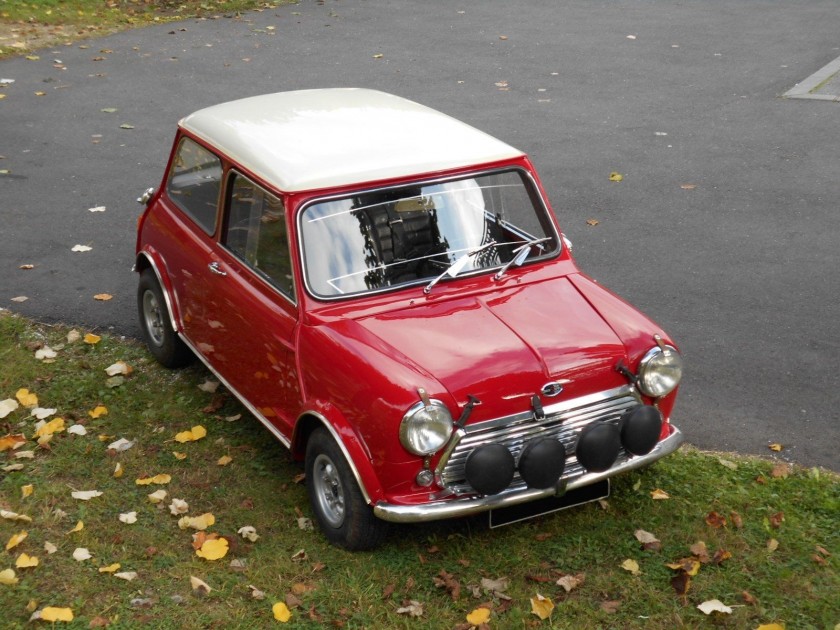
column 252, row 329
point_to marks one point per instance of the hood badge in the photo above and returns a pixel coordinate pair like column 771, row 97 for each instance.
column 552, row 389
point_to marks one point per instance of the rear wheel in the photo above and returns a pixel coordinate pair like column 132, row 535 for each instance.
column 161, row 339
column 342, row 513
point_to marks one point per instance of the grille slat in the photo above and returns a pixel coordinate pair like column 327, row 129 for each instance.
column 563, row 422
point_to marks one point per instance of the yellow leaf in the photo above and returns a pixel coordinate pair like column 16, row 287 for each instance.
column 197, row 522
column 111, row 568
column 79, row 527
column 26, row 398
column 281, row 612
column 632, row 566
column 51, row 613
column 541, row 606
column 26, row 490
column 772, row 545
column 478, row 616
column 157, row 479
column 99, row 410
column 773, row 447
column 55, row 425
column 772, row 626
column 213, row 549
column 179, row 455
column 224, row 460
column 616, row 177
column 103, row 297
column 118, row 471
column 12, row 441
column 25, row 561
column 659, row 495
column 157, row 496
column 92, row 339
column 196, row 433
column 7, row 576
column 16, row 539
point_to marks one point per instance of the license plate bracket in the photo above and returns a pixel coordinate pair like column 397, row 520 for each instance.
column 524, row 511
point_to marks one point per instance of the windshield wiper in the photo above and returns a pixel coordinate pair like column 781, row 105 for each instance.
column 458, row 265
column 522, row 252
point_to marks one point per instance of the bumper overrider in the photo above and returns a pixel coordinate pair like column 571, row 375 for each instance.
column 603, row 434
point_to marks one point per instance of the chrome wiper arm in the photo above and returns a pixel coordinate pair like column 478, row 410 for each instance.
column 458, row 265
column 522, row 252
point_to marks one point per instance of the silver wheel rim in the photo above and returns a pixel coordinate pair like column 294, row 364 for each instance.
column 153, row 318
column 328, row 490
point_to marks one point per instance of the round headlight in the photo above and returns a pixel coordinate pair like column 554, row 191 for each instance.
column 426, row 428
column 660, row 371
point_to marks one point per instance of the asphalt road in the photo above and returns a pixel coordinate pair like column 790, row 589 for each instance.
column 724, row 228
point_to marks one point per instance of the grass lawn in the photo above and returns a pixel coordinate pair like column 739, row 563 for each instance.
column 29, row 24
column 770, row 531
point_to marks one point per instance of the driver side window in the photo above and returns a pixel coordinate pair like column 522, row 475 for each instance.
column 256, row 232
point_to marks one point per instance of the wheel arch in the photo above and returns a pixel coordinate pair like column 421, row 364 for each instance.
column 348, row 442
column 147, row 260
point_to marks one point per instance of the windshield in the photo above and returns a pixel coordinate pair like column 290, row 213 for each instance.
column 383, row 238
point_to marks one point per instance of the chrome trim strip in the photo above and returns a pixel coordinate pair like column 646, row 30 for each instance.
column 466, row 507
column 268, row 425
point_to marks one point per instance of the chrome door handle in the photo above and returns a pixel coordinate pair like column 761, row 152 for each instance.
column 216, row 268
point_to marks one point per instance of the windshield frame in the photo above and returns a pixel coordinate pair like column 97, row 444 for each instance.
column 529, row 182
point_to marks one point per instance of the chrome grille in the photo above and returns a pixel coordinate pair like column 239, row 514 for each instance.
column 563, row 421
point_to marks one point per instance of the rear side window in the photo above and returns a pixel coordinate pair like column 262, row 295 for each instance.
column 195, row 182
column 256, row 233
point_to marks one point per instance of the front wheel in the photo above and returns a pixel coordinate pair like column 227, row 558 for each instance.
column 342, row 513
column 161, row 339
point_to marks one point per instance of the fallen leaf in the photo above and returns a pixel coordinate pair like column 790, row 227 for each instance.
column 26, row 267
column 688, row 186
column 157, row 496
column 775, row 626
column 632, row 566
column 592, row 222
column 256, row 593
column 14, row 516
column 648, row 540
column 56, row 425
column 281, row 612
column 611, row 607
column 479, row 616
column 412, row 608
column 121, row 445
column 780, row 471
column 748, row 598
column 85, row 495
column 50, row 548
column 77, row 429
column 80, row 554
column 196, row 433
column 541, row 606
column 659, row 495
column 98, row 208
column 224, row 460
column 81, row 248
column 111, row 568
column 126, row 126
column 713, row 519
column 737, row 521
column 571, row 582
column 6, row 407
column 118, row 471
column 209, row 386
column 681, row 583
column 616, row 177
column 26, row 398
column 777, row 519
column 714, row 605
column 129, row 518
column 103, row 297
column 699, row 549
column 448, row 581
column 200, row 587
column 26, row 491
column 721, row 555
column 53, row 614
column 7, row 576
column 16, row 539
column 160, row 479
column 772, row 545
column 120, row 367
column 20, row 298
column 25, row 455
column 690, row 566
column 179, row 456
column 80, row 525
column 775, row 447
column 178, row 506
column 92, row 339
column 25, row 561
column 128, row 576
column 199, row 523
column 45, row 353
column 73, row 336
column 213, row 549
column 248, row 532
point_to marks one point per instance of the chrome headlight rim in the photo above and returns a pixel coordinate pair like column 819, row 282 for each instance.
column 438, row 423
column 650, row 371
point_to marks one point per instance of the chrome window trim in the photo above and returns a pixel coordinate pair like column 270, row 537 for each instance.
column 422, row 182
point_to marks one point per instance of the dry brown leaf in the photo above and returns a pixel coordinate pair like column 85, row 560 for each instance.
column 777, row 519
column 592, row 222
column 611, row 607
column 713, row 519
column 780, row 471
column 681, row 583
column 659, row 495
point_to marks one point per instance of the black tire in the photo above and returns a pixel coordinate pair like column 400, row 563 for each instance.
column 161, row 340
column 342, row 513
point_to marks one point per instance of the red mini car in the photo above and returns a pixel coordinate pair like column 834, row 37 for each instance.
column 387, row 290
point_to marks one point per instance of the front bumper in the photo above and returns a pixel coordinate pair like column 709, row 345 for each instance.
column 474, row 505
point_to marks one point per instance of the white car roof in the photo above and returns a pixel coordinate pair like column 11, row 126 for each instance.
column 313, row 139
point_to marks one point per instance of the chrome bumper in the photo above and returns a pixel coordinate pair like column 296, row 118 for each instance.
column 466, row 507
